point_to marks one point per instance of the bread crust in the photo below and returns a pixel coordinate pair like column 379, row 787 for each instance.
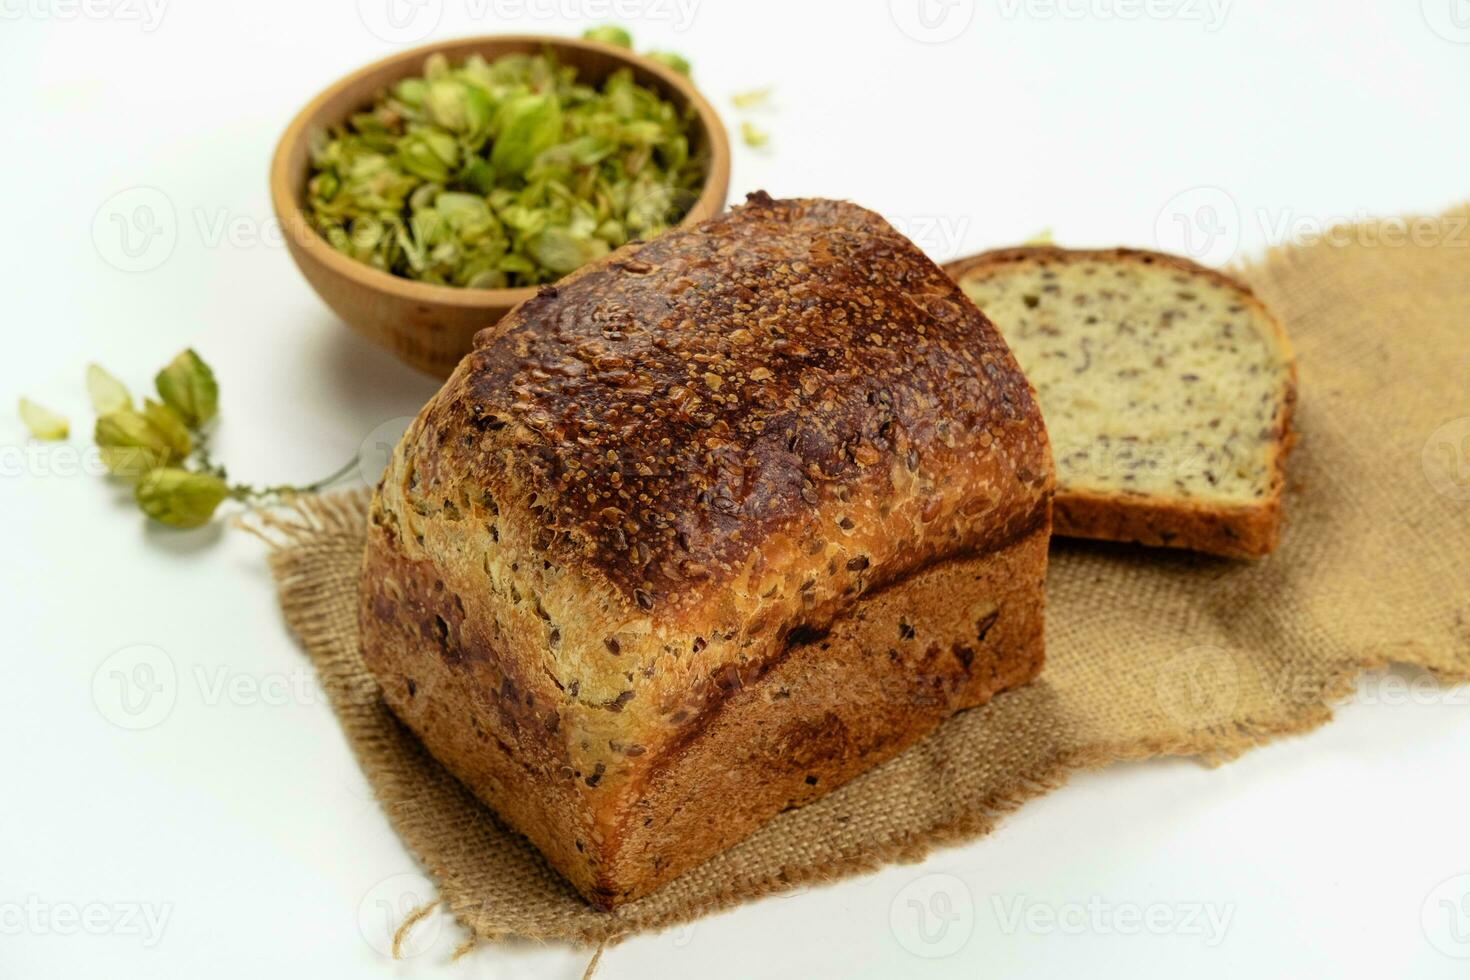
column 1232, row 532
column 656, row 489
column 831, row 706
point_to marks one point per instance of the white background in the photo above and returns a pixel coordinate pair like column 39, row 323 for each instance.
column 242, row 816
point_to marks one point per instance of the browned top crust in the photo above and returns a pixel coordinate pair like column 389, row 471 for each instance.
column 660, row 415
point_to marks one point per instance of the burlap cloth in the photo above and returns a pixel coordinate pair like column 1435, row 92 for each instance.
column 1149, row 652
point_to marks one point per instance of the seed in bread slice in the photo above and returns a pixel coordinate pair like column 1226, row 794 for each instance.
column 1167, row 389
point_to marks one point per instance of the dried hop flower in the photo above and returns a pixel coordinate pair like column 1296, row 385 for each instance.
column 188, row 387
column 133, row 442
column 179, row 498
column 42, row 422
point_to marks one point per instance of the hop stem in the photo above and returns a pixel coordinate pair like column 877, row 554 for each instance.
column 257, row 496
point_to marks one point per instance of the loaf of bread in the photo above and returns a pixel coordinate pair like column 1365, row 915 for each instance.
column 704, row 531
column 1167, row 388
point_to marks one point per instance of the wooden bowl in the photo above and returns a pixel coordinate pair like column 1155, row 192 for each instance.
column 431, row 326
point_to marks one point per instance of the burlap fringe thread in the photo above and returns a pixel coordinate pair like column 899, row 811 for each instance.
column 1371, row 572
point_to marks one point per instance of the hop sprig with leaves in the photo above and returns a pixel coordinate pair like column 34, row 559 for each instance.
column 161, row 447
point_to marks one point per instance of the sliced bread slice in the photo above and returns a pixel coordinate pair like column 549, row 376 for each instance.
column 1167, row 389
